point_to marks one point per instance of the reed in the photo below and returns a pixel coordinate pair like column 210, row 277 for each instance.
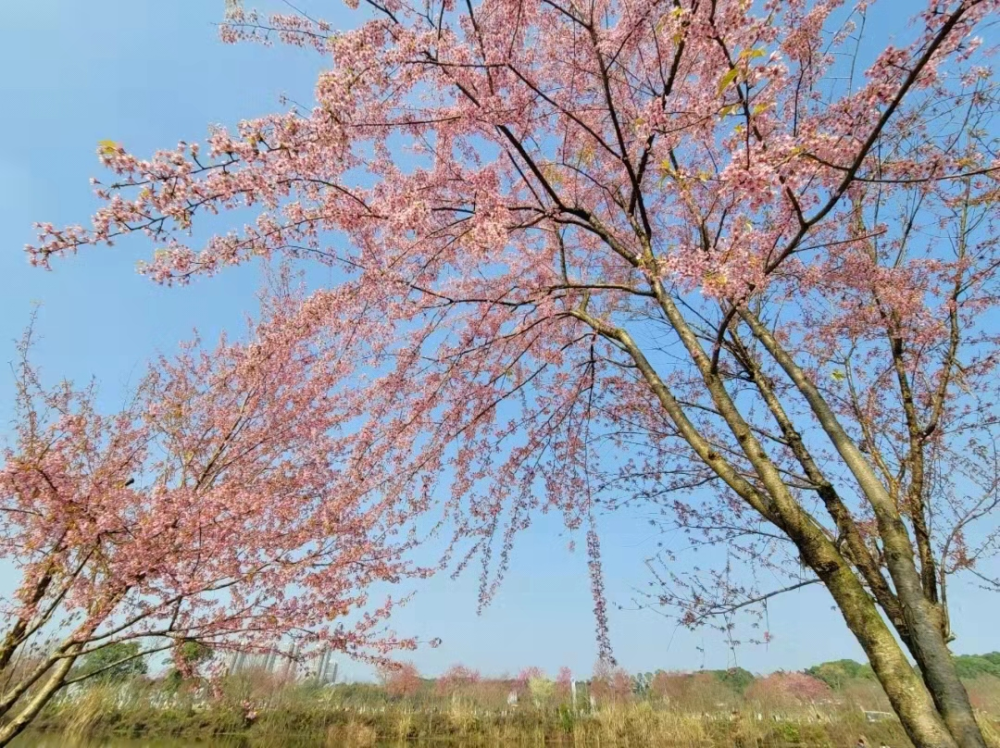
column 263, row 710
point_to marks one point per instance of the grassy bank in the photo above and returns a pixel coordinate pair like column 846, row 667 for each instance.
column 257, row 707
column 633, row 725
column 304, row 715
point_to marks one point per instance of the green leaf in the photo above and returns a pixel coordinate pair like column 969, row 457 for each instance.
column 727, row 79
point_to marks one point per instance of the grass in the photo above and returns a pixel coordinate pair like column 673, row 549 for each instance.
column 101, row 712
column 260, row 708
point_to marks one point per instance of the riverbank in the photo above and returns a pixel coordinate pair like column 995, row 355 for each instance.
column 626, row 725
column 729, row 709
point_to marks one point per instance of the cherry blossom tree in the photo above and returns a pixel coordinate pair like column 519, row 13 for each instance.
column 610, row 683
column 784, row 689
column 456, row 680
column 526, row 675
column 734, row 261
column 694, row 692
column 219, row 507
column 564, row 684
column 401, row 679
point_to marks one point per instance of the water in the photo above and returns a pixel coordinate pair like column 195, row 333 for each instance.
column 34, row 740
column 55, row 740
column 31, row 740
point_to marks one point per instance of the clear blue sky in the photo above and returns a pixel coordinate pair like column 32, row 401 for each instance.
column 148, row 74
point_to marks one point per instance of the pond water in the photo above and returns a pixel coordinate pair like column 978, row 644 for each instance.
column 53, row 740
column 33, row 740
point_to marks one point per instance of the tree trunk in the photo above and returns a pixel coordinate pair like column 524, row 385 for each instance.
column 907, row 693
column 11, row 697
column 924, row 621
column 926, row 638
column 37, row 702
column 938, row 668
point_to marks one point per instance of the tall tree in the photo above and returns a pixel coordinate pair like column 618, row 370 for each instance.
column 115, row 663
column 219, row 507
column 680, row 251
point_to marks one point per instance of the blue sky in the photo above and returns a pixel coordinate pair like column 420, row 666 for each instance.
column 148, row 74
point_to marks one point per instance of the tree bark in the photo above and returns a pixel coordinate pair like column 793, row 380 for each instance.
column 910, row 699
column 940, row 674
column 907, row 692
column 11, row 697
column 37, row 702
column 923, row 619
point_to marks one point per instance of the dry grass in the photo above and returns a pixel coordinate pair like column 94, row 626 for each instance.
column 403, row 725
column 991, row 731
column 359, row 717
column 351, row 735
column 87, row 712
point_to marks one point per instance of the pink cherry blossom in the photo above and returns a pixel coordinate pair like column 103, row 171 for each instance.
column 224, row 504
column 703, row 256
